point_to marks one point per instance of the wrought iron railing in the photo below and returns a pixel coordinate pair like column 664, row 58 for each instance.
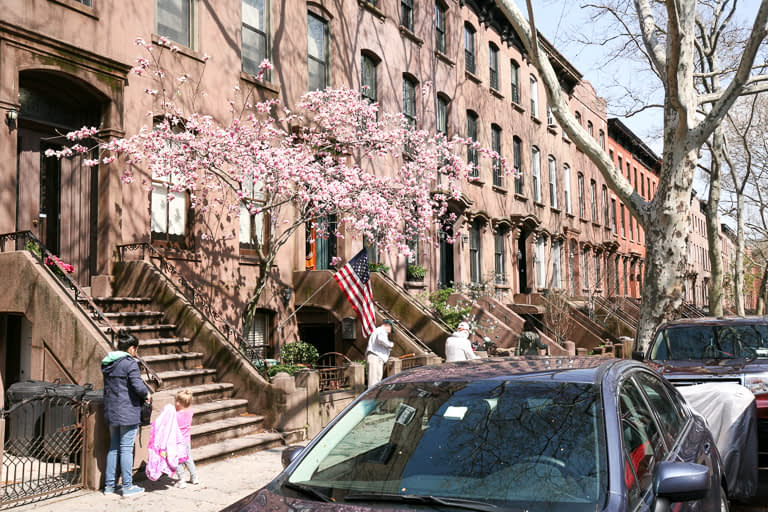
column 402, row 328
column 333, row 379
column 614, row 309
column 413, row 301
column 198, row 300
column 26, row 240
column 689, row 310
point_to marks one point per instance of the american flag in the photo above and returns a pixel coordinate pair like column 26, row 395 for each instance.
column 354, row 280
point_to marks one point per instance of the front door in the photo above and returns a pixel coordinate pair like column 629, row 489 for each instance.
column 522, row 258
column 446, row 256
column 55, row 200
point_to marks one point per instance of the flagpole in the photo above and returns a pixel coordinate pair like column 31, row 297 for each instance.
column 295, row 310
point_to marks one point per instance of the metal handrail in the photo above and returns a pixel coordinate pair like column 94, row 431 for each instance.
column 424, row 309
column 615, row 309
column 197, row 300
column 73, row 290
column 389, row 316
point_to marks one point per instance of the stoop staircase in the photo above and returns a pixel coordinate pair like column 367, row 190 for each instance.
column 221, row 424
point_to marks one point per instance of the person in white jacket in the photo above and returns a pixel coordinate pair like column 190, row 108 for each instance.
column 377, row 352
column 458, row 347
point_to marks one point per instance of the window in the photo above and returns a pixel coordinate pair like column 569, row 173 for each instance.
column 442, row 114
column 541, row 269
column 613, row 216
column 610, row 155
column 515, row 77
column 440, row 38
column 642, row 185
column 591, row 129
column 536, row 173
column 580, row 180
column 472, row 157
column 499, row 255
column 368, row 77
column 557, row 265
column 317, row 52
column 606, row 212
column 585, row 268
column 623, row 222
column 475, row 233
column 577, row 115
column 593, row 198
column 87, row 3
column 406, row 14
column 174, row 21
column 409, row 99
column 596, row 264
column 619, row 166
column 256, row 335
column 534, row 97
column 602, row 140
column 255, row 43
column 567, row 188
column 631, row 228
column 251, row 218
column 496, row 146
column 517, row 156
column 169, row 209
column 550, row 116
column 643, row 444
column 469, row 48
column 552, row 182
column 493, row 65
column 672, row 415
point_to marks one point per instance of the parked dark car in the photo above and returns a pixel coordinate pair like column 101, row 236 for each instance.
column 535, row 434
column 696, row 350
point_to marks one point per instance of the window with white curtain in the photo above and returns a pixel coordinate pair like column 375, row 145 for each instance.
column 534, row 97
column 557, row 264
column 552, row 181
column 536, row 173
column 541, row 262
column 251, row 216
column 255, row 38
column 567, row 188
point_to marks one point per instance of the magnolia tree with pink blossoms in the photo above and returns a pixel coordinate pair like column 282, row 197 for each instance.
column 335, row 154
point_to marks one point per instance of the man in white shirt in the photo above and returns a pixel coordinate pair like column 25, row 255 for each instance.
column 377, row 352
column 458, row 347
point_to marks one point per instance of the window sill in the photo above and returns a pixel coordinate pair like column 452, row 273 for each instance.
column 372, row 9
column 518, row 107
column 472, row 77
column 499, row 189
column 520, row 197
column 535, row 119
column 607, row 228
column 503, row 286
column 539, row 204
column 570, row 215
column 445, row 58
column 476, row 181
column 410, row 35
column 555, row 210
column 261, row 84
column 582, row 219
column 183, row 50
column 596, row 224
column 496, row 93
column 77, row 6
column 173, row 253
column 552, row 128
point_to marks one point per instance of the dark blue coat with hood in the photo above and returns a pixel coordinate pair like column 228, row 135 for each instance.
column 124, row 391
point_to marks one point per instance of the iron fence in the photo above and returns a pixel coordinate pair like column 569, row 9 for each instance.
column 333, row 379
column 43, row 453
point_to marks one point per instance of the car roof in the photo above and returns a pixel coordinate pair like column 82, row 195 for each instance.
column 721, row 320
column 584, row 370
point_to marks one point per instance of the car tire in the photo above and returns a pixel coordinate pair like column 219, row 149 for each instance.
column 724, row 504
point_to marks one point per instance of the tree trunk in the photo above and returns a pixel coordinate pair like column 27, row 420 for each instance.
column 739, row 263
column 715, row 243
column 666, row 247
column 761, row 296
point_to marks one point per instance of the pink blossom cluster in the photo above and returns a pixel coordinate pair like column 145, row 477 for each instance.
column 336, row 154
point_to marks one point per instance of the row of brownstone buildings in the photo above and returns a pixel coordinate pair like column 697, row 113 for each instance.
column 65, row 63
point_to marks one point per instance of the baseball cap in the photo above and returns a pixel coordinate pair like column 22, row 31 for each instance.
column 388, row 321
column 463, row 326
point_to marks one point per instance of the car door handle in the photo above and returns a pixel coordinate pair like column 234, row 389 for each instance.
column 707, row 447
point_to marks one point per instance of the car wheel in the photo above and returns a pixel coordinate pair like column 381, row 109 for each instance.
column 724, row 506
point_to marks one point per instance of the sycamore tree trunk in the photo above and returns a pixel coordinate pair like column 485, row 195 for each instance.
column 715, row 245
column 761, row 295
column 739, row 260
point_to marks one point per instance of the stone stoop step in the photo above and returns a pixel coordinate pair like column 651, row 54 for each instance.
column 237, row 446
column 185, row 378
column 177, row 361
column 159, row 346
column 203, row 393
column 226, row 428
column 218, row 409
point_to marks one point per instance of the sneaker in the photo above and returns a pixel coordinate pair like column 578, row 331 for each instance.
column 134, row 489
column 181, row 484
column 194, row 481
column 109, row 490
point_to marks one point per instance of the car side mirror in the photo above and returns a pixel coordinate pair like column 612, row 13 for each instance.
column 677, row 482
column 638, row 355
column 290, row 454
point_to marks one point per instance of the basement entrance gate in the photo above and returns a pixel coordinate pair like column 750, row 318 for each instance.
column 43, row 452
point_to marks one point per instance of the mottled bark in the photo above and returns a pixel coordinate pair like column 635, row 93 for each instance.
column 738, row 266
column 761, row 296
column 715, row 243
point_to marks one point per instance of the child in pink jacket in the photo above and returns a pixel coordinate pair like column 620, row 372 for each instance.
column 184, row 419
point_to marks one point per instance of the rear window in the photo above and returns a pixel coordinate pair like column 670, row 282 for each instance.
column 693, row 342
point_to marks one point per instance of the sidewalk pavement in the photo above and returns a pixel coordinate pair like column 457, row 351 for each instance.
column 221, row 484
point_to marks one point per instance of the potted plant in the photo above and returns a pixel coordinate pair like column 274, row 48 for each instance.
column 378, row 267
column 415, row 273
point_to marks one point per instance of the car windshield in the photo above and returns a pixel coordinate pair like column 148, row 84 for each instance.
column 678, row 343
column 509, row 444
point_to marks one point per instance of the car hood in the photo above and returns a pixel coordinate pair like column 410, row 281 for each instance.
column 266, row 500
column 711, row 367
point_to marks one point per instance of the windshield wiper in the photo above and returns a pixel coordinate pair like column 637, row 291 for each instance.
column 308, row 491
column 427, row 500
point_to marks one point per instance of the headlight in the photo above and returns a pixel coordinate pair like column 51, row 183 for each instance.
column 757, row 384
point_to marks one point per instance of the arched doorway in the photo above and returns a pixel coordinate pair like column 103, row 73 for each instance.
column 57, row 199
